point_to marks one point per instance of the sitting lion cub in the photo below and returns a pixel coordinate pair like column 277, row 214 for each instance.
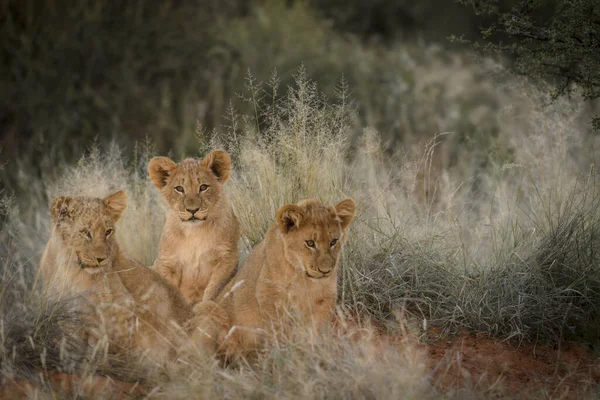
column 133, row 306
column 198, row 248
column 291, row 272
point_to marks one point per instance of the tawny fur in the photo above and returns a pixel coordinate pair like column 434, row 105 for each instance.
column 209, row 326
column 132, row 306
column 292, row 273
column 198, row 248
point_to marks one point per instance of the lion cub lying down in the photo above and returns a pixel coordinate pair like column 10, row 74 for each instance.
column 292, row 272
column 134, row 307
column 198, row 249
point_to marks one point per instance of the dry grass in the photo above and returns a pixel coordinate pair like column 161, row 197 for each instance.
column 509, row 249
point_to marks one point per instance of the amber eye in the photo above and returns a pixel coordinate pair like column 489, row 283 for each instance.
column 333, row 242
column 179, row 189
column 85, row 233
column 310, row 243
column 203, row 187
column 108, row 232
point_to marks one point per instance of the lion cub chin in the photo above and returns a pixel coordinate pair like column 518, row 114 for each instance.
column 129, row 307
column 198, row 249
column 291, row 276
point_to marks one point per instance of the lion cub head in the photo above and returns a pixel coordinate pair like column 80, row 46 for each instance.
column 86, row 226
column 313, row 235
column 193, row 188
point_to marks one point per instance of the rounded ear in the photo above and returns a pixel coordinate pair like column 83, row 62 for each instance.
column 62, row 209
column 219, row 163
column 159, row 169
column 345, row 211
column 289, row 217
column 115, row 204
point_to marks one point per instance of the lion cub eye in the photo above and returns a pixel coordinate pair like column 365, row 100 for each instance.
column 310, row 243
column 85, row 233
column 333, row 242
column 108, row 232
column 179, row 189
column 203, row 187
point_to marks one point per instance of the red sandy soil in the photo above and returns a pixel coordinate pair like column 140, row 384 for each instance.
column 469, row 362
column 477, row 361
column 464, row 362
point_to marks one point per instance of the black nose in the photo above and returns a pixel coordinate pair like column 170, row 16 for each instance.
column 100, row 259
column 192, row 211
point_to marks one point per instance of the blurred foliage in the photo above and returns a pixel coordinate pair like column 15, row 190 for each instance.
column 391, row 20
column 555, row 39
column 73, row 73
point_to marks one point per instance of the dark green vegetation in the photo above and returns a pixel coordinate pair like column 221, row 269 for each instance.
column 130, row 70
column 558, row 40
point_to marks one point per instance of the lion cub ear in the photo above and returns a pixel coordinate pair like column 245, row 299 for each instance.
column 159, row 169
column 219, row 163
column 289, row 217
column 62, row 209
column 345, row 211
column 115, row 204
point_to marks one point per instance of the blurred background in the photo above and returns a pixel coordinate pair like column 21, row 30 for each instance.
column 170, row 72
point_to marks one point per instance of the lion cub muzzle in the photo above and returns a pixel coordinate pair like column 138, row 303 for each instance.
column 91, row 266
column 322, row 268
column 195, row 210
column 318, row 274
column 194, row 215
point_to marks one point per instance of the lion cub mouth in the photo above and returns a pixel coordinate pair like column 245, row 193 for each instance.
column 323, row 275
column 89, row 268
column 193, row 218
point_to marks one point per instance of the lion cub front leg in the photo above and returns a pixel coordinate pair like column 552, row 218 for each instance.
column 114, row 309
column 209, row 326
column 323, row 312
column 168, row 270
column 224, row 267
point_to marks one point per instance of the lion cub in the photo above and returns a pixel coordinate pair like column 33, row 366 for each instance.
column 198, row 249
column 133, row 306
column 291, row 272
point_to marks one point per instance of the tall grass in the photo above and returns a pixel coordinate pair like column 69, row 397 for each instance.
column 507, row 248
column 471, row 258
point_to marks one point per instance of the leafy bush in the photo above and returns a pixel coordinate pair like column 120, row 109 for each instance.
column 556, row 40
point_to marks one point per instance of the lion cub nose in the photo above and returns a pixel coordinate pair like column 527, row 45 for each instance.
column 192, row 210
column 100, row 259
